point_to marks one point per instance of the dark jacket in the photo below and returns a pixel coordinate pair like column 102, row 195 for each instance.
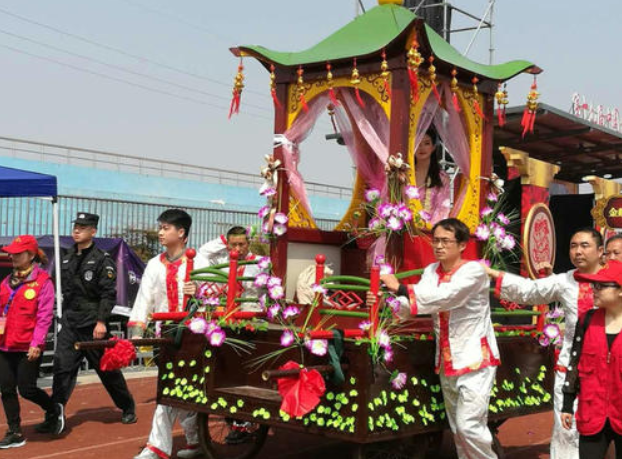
column 89, row 286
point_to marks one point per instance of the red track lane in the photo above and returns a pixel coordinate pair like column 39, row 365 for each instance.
column 94, row 431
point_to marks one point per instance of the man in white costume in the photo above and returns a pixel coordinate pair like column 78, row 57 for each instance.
column 162, row 289
column 456, row 293
column 575, row 298
column 216, row 252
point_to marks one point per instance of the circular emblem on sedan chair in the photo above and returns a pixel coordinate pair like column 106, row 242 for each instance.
column 88, row 276
column 539, row 239
column 29, row 294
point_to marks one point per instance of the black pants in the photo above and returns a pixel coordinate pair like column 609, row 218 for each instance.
column 67, row 363
column 18, row 373
column 596, row 446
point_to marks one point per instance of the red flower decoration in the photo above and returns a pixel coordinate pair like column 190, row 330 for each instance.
column 119, row 356
column 300, row 393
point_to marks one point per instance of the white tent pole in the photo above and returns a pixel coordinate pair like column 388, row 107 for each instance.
column 57, row 268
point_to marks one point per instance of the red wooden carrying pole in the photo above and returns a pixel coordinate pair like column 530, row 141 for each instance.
column 374, row 280
column 320, row 261
column 190, row 254
column 232, row 284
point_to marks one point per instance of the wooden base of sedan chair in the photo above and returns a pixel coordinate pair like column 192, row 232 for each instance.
column 415, row 447
column 213, row 430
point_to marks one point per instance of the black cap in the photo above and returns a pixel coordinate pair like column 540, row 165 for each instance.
column 86, row 219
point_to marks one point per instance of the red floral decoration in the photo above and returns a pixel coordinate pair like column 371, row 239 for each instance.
column 119, row 356
column 476, row 105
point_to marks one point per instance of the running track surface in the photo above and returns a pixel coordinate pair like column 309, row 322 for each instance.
column 94, row 431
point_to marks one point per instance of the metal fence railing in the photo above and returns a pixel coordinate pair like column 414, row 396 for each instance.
column 118, row 218
column 62, row 154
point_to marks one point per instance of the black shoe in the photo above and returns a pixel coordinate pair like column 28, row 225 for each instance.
column 60, row 419
column 239, row 433
column 129, row 417
column 12, row 440
column 49, row 423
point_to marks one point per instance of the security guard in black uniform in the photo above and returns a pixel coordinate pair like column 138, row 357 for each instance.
column 88, row 277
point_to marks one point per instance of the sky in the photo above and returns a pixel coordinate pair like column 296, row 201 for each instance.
column 153, row 78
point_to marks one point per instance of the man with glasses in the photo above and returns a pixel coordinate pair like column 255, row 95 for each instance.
column 575, row 298
column 456, row 292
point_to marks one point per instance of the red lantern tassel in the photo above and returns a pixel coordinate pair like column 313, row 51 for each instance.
column 275, row 99
column 358, row 97
column 525, row 122
column 387, row 88
column 303, row 102
column 454, row 98
column 532, row 122
column 436, row 94
column 478, row 109
column 500, row 117
column 414, row 84
column 235, row 104
column 333, row 97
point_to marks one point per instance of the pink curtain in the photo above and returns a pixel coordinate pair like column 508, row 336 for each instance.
column 290, row 141
column 365, row 131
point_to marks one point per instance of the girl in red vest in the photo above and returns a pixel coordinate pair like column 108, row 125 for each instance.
column 595, row 369
column 26, row 308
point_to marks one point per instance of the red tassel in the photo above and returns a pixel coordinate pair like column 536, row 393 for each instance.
column 275, row 99
column 478, row 109
column 235, row 104
column 414, row 84
column 436, row 94
column 387, row 88
column 532, row 122
column 525, row 122
column 333, row 97
column 303, row 102
column 454, row 98
column 358, row 97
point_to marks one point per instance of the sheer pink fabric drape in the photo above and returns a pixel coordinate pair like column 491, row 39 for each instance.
column 294, row 136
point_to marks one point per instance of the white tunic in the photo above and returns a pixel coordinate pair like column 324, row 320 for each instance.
column 155, row 294
column 460, row 304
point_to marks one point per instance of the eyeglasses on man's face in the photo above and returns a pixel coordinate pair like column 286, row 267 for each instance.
column 603, row 285
column 443, row 242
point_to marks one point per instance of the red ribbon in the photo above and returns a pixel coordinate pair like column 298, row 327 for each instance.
column 119, row 356
column 300, row 393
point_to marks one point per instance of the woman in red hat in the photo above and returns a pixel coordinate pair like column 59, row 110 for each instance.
column 26, row 309
column 595, row 370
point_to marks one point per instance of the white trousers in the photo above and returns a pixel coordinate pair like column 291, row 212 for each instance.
column 564, row 443
column 466, row 402
column 161, row 436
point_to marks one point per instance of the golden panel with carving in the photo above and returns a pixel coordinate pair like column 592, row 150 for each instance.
column 298, row 215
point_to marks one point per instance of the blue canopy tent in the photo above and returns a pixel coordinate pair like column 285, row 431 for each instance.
column 15, row 183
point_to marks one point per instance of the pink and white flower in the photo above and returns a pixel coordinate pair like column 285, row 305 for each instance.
column 261, row 280
column 372, row 195
column 273, row 311
column 482, row 232
column 279, row 230
column 393, row 303
column 503, row 219
column 263, row 212
column 276, row 292
column 290, row 311
column 287, row 338
column 404, row 213
column 317, row 346
column 544, row 341
column 198, row 325
column 211, row 327
column 486, row 211
column 499, row 233
column 264, row 263
column 413, row 192
column 508, row 242
column 274, row 281
column 387, row 356
column 551, row 331
column 384, row 340
column 385, row 210
column 385, row 268
column 399, row 381
column 315, row 288
column 375, row 224
column 281, row 218
column 212, row 301
column 267, row 191
column 217, row 337
column 492, row 197
column 365, row 325
column 395, row 224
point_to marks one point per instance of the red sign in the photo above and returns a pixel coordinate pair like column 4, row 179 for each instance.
column 613, row 212
column 539, row 239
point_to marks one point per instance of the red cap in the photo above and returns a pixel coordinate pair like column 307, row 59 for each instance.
column 611, row 272
column 21, row 244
